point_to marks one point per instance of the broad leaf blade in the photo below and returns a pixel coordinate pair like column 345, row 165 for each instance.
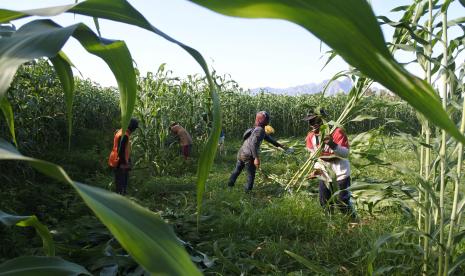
column 350, row 28
column 141, row 232
column 208, row 154
column 457, row 262
column 41, row 266
column 380, row 242
column 7, row 30
column 29, row 42
column 45, row 38
column 9, row 15
column 7, row 111
column 118, row 58
column 62, row 66
column 24, row 221
column 141, row 228
column 315, row 268
column 97, row 26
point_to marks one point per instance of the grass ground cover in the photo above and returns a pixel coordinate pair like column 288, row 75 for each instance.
column 239, row 233
column 249, row 233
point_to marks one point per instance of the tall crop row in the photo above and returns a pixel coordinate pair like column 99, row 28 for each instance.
column 164, row 98
column 37, row 100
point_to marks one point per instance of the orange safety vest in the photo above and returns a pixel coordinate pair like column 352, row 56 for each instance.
column 113, row 160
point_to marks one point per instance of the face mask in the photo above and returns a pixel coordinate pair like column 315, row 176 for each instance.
column 315, row 123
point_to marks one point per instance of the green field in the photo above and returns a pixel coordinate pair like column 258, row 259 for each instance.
column 237, row 232
column 59, row 212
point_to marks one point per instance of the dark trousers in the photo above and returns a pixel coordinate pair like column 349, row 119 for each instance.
column 343, row 199
column 121, row 180
column 186, row 151
column 237, row 171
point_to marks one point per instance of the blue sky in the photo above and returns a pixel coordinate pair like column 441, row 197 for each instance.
column 255, row 52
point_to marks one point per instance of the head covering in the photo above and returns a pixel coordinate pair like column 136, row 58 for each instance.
column 174, row 127
column 262, row 119
column 133, row 124
column 312, row 114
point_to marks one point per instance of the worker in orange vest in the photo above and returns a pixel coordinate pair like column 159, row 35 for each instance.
column 120, row 156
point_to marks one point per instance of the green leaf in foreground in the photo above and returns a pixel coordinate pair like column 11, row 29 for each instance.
column 24, row 221
column 149, row 240
column 63, row 69
column 7, row 111
column 41, row 266
column 350, row 28
column 41, row 38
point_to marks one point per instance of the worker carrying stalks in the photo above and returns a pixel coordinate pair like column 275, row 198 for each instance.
column 120, row 156
column 332, row 163
column 248, row 154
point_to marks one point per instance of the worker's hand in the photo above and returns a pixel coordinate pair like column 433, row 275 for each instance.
column 289, row 150
column 328, row 140
column 315, row 173
column 256, row 162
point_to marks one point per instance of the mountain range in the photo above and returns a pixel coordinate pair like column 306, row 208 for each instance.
column 337, row 86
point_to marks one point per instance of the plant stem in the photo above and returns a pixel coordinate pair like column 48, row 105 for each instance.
column 442, row 152
column 427, row 225
column 453, row 215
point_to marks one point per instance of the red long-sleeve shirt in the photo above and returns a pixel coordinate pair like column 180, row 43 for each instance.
column 340, row 166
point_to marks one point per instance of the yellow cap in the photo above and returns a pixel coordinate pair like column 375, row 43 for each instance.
column 269, row 130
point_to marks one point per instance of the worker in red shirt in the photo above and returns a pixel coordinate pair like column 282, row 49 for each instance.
column 333, row 163
column 185, row 139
